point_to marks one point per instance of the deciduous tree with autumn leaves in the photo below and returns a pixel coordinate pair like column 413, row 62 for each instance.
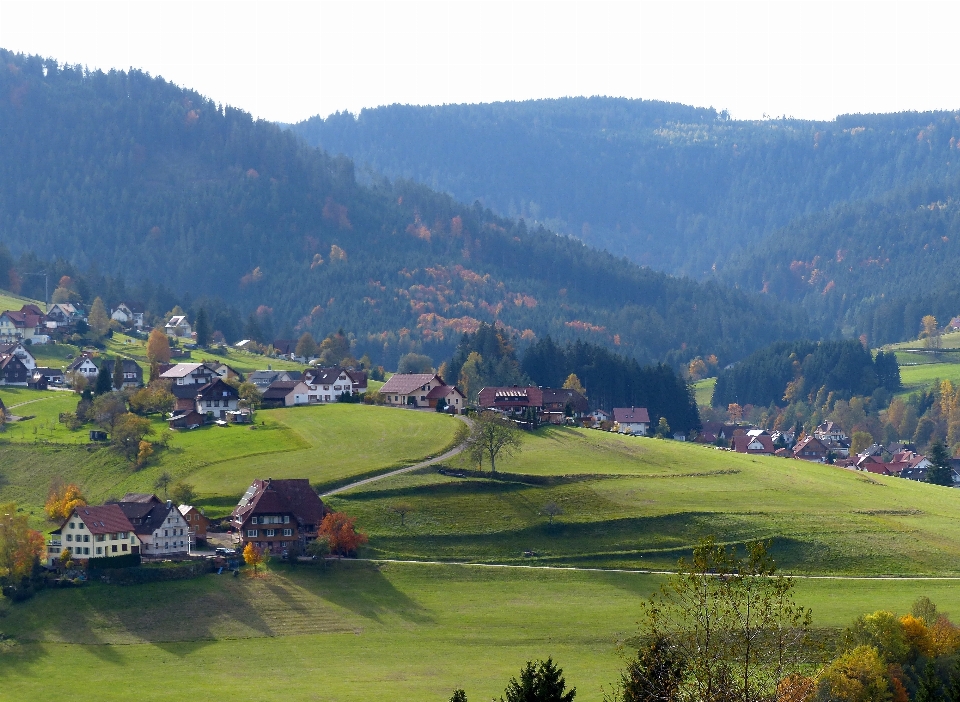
column 62, row 500
column 21, row 547
column 341, row 533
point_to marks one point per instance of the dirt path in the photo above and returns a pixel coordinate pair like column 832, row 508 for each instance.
column 449, row 454
column 649, row 572
column 21, row 404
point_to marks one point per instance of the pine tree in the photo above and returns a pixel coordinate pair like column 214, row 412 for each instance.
column 104, row 381
column 928, row 688
column 117, row 373
column 542, row 682
column 940, row 473
column 203, row 328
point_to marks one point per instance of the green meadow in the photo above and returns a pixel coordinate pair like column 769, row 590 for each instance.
column 356, row 631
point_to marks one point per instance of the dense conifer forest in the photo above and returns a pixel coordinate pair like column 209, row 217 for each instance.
column 843, row 216
column 126, row 177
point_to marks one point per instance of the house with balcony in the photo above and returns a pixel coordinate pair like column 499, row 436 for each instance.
column 158, row 524
column 93, row 532
column 277, row 514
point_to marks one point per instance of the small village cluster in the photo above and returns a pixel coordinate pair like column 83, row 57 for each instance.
column 827, row 444
column 273, row 515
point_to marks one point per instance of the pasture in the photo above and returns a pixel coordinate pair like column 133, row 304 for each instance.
column 634, row 503
column 357, row 631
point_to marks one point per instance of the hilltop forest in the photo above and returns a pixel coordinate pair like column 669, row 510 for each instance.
column 124, row 176
column 838, row 216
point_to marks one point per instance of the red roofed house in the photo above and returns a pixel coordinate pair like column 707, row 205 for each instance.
column 810, row 449
column 758, row 444
column 27, row 323
column 512, row 400
column 273, row 514
column 411, row 389
column 632, row 420
column 94, row 532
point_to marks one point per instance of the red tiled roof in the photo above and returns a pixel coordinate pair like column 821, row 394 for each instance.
column 741, row 444
column 106, row 519
column 441, row 391
column 291, row 496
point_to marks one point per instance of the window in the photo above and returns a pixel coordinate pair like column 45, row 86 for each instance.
column 81, row 525
column 99, row 550
column 253, row 520
column 69, row 537
column 251, row 533
column 286, row 519
column 86, row 551
column 166, row 532
column 113, row 537
column 113, row 549
column 271, row 532
column 86, row 537
column 288, row 532
column 72, row 525
column 166, row 544
column 124, row 548
column 99, row 537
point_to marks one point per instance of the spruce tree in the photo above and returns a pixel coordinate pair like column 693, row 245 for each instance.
column 104, row 381
column 940, row 473
column 203, row 328
column 928, row 688
column 117, row 373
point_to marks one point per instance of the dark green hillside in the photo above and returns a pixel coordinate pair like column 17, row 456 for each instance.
column 135, row 177
column 670, row 186
column 875, row 267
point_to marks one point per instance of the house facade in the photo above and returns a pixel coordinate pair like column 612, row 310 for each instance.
column 276, row 514
column 159, row 525
column 760, row 444
column 188, row 373
column 286, row 393
column 83, row 366
column 20, row 351
column 326, row 384
column 128, row 315
column 810, row 448
column 13, row 371
column 632, row 420
column 410, row 389
column 197, row 522
column 132, row 372
column 93, row 532
column 27, row 324
column 217, row 398
column 178, row 327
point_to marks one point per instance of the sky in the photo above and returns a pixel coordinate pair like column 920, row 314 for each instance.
column 287, row 61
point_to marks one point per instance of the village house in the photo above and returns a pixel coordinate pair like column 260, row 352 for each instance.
column 84, row 367
column 599, row 416
column 326, row 384
column 758, row 444
column 411, row 389
column 27, row 324
column 64, row 316
column 188, row 373
column 830, row 431
column 277, row 514
column 132, row 372
column 13, row 371
column 265, row 378
column 93, row 532
column 632, row 420
column 52, row 376
column 201, row 404
column 286, row 393
column 20, row 351
column 197, row 522
column 559, row 403
column 178, row 327
column 284, row 348
column 128, row 315
column 159, row 526
column 810, row 448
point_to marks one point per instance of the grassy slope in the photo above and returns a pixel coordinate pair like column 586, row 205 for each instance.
column 703, row 389
column 356, row 632
column 645, row 502
column 326, row 444
column 12, row 301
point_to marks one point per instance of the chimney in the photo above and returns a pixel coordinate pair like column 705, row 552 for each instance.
column 169, row 503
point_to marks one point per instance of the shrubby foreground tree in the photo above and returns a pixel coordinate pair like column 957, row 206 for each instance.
column 492, row 436
column 725, row 628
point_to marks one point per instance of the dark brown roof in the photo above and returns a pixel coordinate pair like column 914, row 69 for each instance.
column 631, row 415
column 106, row 519
column 565, row 396
column 291, row 496
column 510, row 397
column 441, row 391
column 217, row 389
column 279, row 389
column 742, row 443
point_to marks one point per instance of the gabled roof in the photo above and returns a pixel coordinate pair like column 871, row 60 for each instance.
column 325, row 376
column 217, row 389
column 292, row 496
column 279, row 389
column 9, row 360
column 10, row 348
column 284, row 346
column 631, row 415
column 177, row 321
column 443, row 391
column 406, row 383
column 182, row 370
column 79, row 361
column 151, row 515
column 565, row 396
column 811, row 442
column 761, row 443
column 106, row 519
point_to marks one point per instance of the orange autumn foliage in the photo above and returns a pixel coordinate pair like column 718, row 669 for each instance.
column 19, row 544
column 253, row 556
column 796, row 688
column 62, row 500
column 341, row 533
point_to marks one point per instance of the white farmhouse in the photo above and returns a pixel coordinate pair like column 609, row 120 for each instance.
column 632, row 420
column 93, row 532
column 159, row 525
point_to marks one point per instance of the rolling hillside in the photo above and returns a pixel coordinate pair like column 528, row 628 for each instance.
column 129, row 175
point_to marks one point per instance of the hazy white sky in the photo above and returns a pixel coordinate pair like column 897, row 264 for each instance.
column 290, row 60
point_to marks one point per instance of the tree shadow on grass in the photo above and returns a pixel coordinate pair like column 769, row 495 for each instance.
column 464, row 487
column 364, row 590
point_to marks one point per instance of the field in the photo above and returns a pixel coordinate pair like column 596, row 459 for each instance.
column 327, row 444
column 703, row 390
column 634, row 503
column 11, row 301
column 356, row 631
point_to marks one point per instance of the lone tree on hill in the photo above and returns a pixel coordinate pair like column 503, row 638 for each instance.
column 341, row 533
column 493, row 436
column 940, row 473
column 551, row 509
column 162, row 483
column 401, row 509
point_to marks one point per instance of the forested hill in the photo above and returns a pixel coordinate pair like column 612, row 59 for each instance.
column 674, row 187
column 876, row 267
column 134, row 176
